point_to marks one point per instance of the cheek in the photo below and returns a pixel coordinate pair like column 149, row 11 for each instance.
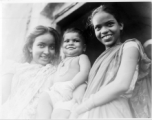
column 36, row 51
column 97, row 34
column 63, row 45
column 36, row 54
column 52, row 52
column 116, row 30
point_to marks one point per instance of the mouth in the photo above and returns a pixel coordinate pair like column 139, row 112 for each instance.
column 70, row 48
column 45, row 58
column 106, row 37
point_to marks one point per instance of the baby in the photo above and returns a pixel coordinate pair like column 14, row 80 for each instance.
column 69, row 82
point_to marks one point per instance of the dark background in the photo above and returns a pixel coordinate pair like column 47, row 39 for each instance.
column 137, row 24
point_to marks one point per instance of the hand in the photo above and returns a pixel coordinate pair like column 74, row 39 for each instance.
column 85, row 106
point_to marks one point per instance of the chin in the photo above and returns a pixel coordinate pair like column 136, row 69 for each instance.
column 111, row 43
column 44, row 63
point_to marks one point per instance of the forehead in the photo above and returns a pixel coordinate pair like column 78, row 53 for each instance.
column 71, row 35
column 102, row 17
column 45, row 38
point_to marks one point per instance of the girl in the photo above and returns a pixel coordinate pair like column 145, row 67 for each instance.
column 24, row 83
column 116, row 80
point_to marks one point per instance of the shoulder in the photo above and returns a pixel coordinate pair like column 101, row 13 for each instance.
column 131, row 49
column 84, row 62
column 83, row 57
column 131, row 43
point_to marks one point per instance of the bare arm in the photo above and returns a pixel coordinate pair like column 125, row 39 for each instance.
column 119, row 86
column 6, row 86
column 84, row 71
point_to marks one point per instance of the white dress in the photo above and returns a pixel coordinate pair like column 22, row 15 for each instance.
column 26, row 86
column 120, row 107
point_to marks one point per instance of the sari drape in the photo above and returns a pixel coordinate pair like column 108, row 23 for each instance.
column 104, row 71
column 25, row 84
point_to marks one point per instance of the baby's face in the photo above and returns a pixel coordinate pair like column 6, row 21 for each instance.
column 72, row 44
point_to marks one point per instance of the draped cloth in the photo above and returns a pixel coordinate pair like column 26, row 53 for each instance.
column 25, row 84
column 104, row 71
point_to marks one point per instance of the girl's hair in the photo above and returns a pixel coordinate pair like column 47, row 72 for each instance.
column 112, row 9
column 75, row 30
column 38, row 31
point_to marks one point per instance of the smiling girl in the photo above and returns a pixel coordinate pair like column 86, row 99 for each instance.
column 117, row 74
column 24, row 82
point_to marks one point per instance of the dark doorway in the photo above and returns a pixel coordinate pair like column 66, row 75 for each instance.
column 79, row 19
column 138, row 16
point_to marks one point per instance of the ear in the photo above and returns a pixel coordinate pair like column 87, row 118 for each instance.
column 30, row 49
column 62, row 54
column 121, row 26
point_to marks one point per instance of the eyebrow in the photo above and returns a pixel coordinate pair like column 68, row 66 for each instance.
column 46, row 43
column 110, row 21
column 98, row 25
column 41, row 43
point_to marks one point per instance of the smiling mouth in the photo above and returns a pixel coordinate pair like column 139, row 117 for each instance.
column 71, row 48
column 106, row 37
column 45, row 58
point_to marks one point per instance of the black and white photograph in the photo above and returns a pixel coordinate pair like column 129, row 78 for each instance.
column 75, row 59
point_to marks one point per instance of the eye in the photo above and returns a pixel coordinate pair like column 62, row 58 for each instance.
column 110, row 24
column 76, row 40
column 97, row 28
column 52, row 47
column 66, row 41
column 41, row 45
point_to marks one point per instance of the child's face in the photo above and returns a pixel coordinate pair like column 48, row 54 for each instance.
column 107, row 29
column 43, row 49
column 72, row 44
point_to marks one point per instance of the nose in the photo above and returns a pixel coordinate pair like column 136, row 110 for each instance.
column 104, row 30
column 71, row 42
column 46, row 50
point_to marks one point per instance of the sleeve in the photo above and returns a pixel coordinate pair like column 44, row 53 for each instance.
column 130, row 44
column 140, row 101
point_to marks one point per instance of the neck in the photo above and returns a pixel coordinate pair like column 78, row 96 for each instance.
column 116, row 43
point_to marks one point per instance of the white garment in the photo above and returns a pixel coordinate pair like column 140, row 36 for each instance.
column 57, row 99
column 27, row 81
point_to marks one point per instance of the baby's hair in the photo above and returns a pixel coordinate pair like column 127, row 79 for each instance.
column 38, row 31
column 76, row 30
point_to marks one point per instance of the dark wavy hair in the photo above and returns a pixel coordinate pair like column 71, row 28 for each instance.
column 113, row 9
column 38, row 31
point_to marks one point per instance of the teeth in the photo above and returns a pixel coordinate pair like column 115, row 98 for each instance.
column 107, row 36
column 44, row 57
column 70, row 48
